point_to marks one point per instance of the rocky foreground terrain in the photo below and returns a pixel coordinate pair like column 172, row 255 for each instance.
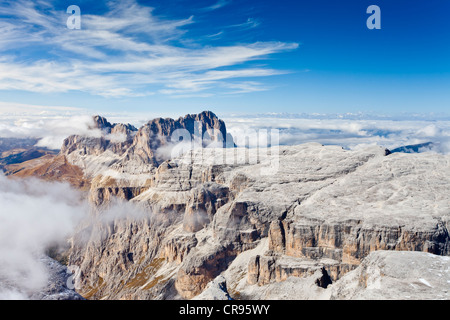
column 288, row 222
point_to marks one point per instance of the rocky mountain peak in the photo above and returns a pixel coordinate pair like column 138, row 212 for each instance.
column 195, row 124
column 132, row 147
column 101, row 123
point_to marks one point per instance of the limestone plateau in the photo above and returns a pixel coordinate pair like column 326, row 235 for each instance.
column 328, row 223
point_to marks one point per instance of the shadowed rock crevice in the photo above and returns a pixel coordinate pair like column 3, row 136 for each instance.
column 324, row 281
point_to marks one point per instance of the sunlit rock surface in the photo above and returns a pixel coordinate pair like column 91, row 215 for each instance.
column 288, row 222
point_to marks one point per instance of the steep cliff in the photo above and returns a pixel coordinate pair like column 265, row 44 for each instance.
column 164, row 225
column 319, row 215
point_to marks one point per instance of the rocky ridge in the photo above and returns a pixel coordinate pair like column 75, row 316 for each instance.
column 261, row 218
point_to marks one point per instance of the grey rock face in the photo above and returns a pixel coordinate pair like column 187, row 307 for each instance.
column 396, row 275
column 115, row 138
column 321, row 213
column 215, row 290
column 125, row 150
column 128, row 144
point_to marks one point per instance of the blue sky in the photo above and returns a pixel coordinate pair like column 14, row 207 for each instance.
column 228, row 56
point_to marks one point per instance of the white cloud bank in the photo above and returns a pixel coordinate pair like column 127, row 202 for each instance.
column 51, row 125
column 51, row 130
column 349, row 133
column 34, row 215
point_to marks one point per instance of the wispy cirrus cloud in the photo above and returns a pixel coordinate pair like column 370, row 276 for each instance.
column 219, row 4
column 250, row 23
column 126, row 51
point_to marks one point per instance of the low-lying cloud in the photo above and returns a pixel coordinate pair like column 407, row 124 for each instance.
column 34, row 216
column 38, row 215
column 349, row 133
column 52, row 129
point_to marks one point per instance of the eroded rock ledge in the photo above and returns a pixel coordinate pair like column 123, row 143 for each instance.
column 321, row 212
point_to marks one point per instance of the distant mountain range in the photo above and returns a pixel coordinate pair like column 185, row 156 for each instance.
column 14, row 151
column 416, row 148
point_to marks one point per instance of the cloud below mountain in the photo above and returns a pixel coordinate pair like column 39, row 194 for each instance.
column 35, row 215
column 38, row 215
column 350, row 132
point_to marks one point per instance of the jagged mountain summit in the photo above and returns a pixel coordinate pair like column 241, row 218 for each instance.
column 126, row 144
column 250, row 223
